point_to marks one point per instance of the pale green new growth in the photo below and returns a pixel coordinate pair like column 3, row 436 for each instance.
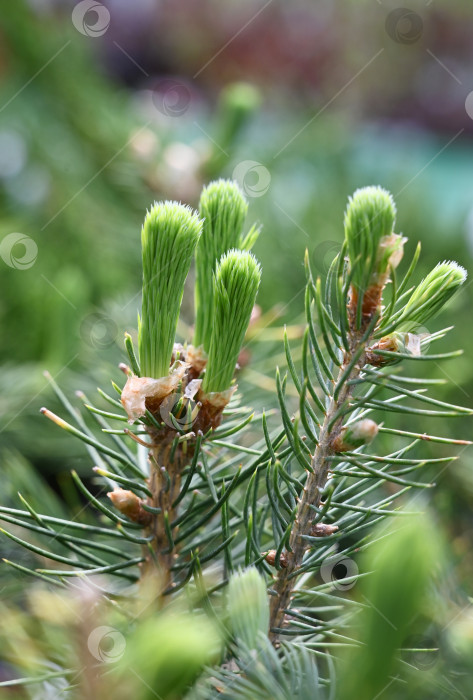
column 370, row 215
column 168, row 239
column 397, row 589
column 248, row 606
column 432, row 293
column 223, row 209
column 238, row 101
column 236, row 283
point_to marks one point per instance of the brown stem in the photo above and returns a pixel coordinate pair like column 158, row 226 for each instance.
column 166, row 473
column 164, row 483
column 280, row 602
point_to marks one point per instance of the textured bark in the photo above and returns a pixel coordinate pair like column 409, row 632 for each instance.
column 166, row 467
column 165, row 488
column 311, row 495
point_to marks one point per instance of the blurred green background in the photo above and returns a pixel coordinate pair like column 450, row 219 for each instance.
column 105, row 107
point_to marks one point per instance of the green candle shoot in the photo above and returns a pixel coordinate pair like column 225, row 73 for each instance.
column 223, row 209
column 169, row 237
column 236, row 283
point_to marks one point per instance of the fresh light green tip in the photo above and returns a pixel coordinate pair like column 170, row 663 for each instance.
column 371, row 213
column 432, row 293
column 238, row 271
column 223, row 198
column 451, row 271
column 248, row 606
column 169, row 238
column 236, row 283
column 171, row 219
column 440, row 283
column 242, row 96
column 370, row 216
column 223, row 209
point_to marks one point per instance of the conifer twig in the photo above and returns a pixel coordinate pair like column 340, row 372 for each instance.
column 374, row 252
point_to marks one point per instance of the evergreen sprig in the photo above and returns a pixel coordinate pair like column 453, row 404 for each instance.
column 236, row 283
column 336, row 496
column 169, row 238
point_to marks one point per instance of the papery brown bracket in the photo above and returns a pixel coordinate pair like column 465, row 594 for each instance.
column 211, row 408
column 389, row 255
column 197, row 359
column 371, row 303
column 405, row 343
column 141, row 393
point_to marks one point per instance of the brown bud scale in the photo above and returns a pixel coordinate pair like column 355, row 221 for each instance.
column 323, row 530
column 271, row 558
column 130, row 505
